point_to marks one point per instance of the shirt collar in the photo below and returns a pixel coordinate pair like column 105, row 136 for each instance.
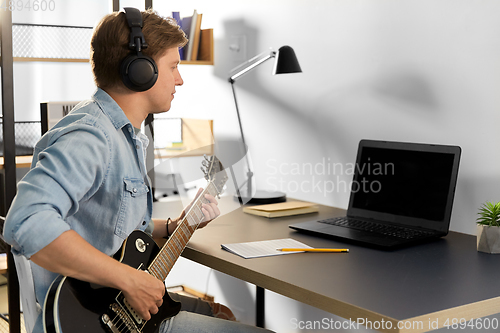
column 111, row 109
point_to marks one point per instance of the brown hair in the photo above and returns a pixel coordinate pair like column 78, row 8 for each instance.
column 109, row 44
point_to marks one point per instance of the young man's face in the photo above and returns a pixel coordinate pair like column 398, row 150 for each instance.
column 160, row 96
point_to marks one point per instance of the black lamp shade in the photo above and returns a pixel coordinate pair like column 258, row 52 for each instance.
column 286, row 61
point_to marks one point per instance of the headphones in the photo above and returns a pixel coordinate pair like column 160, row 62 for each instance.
column 137, row 71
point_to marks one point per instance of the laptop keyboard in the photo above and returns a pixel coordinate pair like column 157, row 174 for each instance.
column 388, row 230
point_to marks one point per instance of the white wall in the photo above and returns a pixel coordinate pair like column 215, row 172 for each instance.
column 423, row 71
column 411, row 70
column 405, row 70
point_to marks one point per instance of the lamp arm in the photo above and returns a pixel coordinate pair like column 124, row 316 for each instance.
column 249, row 172
column 247, row 69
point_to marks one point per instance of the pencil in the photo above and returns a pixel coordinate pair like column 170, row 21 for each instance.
column 313, row 250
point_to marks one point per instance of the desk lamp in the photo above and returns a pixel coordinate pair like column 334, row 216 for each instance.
column 285, row 62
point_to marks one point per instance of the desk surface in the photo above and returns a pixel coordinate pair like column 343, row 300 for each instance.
column 441, row 280
column 21, row 161
column 3, row 263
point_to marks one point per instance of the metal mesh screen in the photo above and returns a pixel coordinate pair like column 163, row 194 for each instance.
column 46, row 41
column 27, row 135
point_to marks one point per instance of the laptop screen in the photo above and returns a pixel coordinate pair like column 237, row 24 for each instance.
column 405, row 183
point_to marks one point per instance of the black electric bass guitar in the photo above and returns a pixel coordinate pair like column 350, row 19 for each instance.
column 74, row 306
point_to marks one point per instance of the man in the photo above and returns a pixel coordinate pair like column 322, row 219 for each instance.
column 87, row 189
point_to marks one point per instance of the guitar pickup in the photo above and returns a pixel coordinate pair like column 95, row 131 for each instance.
column 138, row 319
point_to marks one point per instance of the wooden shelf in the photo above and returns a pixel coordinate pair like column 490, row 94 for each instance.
column 183, row 62
column 206, row 50
column 25, row 59
column 197, row 62
column 205, row 54
column 21, row 161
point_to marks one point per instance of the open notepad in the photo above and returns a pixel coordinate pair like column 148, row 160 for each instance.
column 264, row 248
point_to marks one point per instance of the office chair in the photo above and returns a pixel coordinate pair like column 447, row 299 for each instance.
column 30, row 307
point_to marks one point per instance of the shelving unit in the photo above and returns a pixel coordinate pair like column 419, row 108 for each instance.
column 10, row 184
column 43, row 51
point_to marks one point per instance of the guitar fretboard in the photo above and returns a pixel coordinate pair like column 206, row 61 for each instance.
column 170, row 252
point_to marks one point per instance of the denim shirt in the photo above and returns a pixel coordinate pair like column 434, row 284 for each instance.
column 89, row 175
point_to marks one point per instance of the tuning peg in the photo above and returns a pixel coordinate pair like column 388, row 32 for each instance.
column 203, row 170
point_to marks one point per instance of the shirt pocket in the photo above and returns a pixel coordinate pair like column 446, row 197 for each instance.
column 133, row 206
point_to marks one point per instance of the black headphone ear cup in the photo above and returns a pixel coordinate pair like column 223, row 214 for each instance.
column 138, row 72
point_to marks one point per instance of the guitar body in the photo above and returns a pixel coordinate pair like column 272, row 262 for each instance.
column 74, row 306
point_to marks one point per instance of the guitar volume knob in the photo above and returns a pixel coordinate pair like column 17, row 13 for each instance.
column 140, row 245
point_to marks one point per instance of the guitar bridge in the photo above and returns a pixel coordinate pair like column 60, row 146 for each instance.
column 121, row 319
column 111, row 324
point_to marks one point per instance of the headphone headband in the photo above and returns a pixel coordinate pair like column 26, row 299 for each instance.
column 134, row 21
column 138, row 72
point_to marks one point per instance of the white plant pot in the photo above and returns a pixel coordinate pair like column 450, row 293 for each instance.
column 488, row 238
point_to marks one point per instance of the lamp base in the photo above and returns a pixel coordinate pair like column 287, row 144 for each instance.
column 263, row 197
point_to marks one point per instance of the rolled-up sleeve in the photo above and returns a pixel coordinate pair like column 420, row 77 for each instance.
column 71, row 167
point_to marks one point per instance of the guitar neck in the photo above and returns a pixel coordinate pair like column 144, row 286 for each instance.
column 171, row 251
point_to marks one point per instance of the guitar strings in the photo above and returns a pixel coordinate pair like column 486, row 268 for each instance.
column 120, row 322
column 175, row 235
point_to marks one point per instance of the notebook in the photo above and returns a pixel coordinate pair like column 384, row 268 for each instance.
column 401, row 194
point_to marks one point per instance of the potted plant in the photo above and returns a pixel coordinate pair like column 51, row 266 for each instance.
column 488, row 228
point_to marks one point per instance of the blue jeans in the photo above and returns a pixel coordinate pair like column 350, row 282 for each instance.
column 196, row 317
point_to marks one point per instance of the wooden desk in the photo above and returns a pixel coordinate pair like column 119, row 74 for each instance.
column 3, row 264
column 427, row 284
column 183, row 152
column 21, row 161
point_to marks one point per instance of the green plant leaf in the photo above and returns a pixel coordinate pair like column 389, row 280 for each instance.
column 489, row 214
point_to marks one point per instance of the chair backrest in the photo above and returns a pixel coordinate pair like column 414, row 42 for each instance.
column 31, row 308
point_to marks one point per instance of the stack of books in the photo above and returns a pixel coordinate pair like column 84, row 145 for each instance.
column 282, row 209
column 199, row 40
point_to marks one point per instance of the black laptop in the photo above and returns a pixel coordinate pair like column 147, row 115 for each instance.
column 401, row 194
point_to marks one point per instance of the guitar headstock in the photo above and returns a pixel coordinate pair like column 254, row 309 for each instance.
column 214, row 172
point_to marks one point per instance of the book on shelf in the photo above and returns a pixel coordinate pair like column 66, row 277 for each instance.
column 186, row 27
column 199, row 45
column 288, row 208
column 192, row 29
column 177, row 17
column 206, row 42
column 196, row 38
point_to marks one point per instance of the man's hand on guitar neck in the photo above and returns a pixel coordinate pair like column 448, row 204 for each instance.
column 210, row 211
